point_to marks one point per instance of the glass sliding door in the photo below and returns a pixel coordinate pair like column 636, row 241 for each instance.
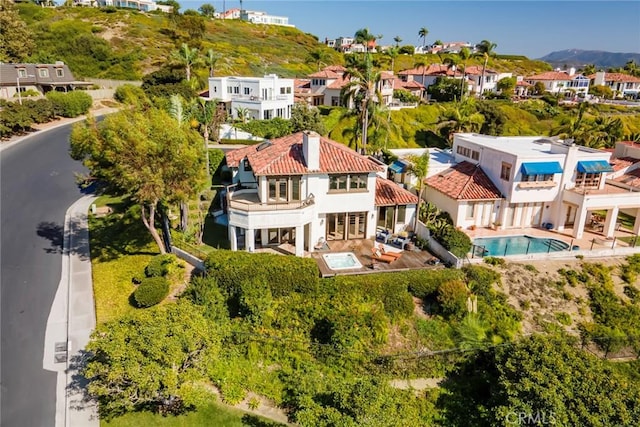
column 347, row 225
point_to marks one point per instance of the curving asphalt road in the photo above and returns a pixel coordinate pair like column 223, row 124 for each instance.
column 37, row 185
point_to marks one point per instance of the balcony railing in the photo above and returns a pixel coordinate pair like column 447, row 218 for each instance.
column 536, row 184
column 248, row 201
column 259, row 98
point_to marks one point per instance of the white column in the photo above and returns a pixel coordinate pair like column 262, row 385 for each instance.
column 233, row 238
column 249, row 240
column 561, row 218
column 610, row 222
column 578, row 225
column 300, row 241
column 636, row 225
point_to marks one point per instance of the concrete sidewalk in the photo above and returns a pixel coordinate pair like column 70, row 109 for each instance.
column 71, row 321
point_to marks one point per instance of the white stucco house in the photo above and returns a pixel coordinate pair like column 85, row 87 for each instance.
column 262, row 97
column 532, row 181
column 303, row 189
column 621, row 84
column 561, row 81
column 257, row 17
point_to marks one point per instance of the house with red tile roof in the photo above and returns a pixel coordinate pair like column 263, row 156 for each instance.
column 303, row 189
column 620, row 83
column 566, row 82
column 528, row 181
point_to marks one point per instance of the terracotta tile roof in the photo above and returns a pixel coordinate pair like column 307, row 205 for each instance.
column 325, row 74
column 631, row 178
column 388, row 193
column 412, row 85
column 302, row 85
column 523, row 83
column 551, row 75
column 338, row 84
column 476, row 70
column 622, row 162
column 617, row 77
column 431, row 70
column 386, row 75
column 464, row 181
column 335, row 68
column 284, row 157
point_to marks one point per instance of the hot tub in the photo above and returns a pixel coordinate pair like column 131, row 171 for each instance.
column 342, row 261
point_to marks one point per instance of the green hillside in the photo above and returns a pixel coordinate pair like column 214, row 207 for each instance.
column 126, row 44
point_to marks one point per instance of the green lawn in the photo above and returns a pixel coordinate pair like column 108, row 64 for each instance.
column 630, row 239
column 208, row 416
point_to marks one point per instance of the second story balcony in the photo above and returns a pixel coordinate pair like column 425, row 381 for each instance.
column 247, row 210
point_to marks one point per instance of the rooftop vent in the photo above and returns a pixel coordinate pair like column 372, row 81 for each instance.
column 263, row 145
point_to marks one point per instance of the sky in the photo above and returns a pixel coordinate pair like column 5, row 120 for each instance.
column 531, row 28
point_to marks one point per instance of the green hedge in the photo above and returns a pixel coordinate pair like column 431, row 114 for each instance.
column 151, row 291
column 455, row 241
column 216, row 157
column 240, row 141
column 70, row 104
column 160, row 265
column 283, row 274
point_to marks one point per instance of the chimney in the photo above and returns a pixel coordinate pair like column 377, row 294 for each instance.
column 599, row 80
column 311, row 149
column 572, row 71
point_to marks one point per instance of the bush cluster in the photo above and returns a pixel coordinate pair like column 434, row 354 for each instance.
column 216, row 157
column 160, row 265
column 455, row 241
column 151, row 291
column 70, row 104
column 283, row 274
column 131, row 95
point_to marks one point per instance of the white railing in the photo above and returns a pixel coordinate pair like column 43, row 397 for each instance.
column 251, row 206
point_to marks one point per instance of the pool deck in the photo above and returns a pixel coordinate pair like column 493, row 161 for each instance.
column 410, row 260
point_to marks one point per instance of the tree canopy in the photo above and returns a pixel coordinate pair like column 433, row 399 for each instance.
column 146, row 154
column 16, row 42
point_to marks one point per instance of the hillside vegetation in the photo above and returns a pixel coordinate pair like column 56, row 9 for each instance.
column 126, row 44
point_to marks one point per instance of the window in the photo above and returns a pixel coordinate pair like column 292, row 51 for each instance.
column 215, row 89
column 60, row 73
column 236, row 90
column 246, row 165
column 22, row 72
column 468, row 152
column 588, row 180
column 505, row 173
column 43, row 72
column 537, row 178
column 469, row 211
column 338, row 182
column 229, row 89
column 284, row 189
column 356, row 182
column 402, row 214
column 247, row 91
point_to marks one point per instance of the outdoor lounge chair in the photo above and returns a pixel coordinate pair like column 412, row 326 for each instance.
column 382, row 251
column 387, row 257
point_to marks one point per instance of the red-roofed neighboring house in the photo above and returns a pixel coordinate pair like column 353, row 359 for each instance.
column 561, row 81
column 303, row 189
column 622, row 84
column 465, row 192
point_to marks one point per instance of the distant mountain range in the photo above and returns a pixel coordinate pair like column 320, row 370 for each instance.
column 600, row 58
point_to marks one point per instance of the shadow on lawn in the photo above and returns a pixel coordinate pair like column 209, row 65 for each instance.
column 254, row 421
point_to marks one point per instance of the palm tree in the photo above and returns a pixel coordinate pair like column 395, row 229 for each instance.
column 464, row 54
column 589, row 69
column 204, row 113
column 318, row 56
column 460, row 117
column 393, row 53
column 419, row 168
column 485, row 49
column 421, row 62
column 242, row 113
column 363, row 90
column 211, row 60
column 189, row 57
column 365, row 37
column 398, row 40
column 423, row 34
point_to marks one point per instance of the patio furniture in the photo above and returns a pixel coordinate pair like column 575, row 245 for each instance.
column 383, row 236
column 387, row 257
column 380, row 251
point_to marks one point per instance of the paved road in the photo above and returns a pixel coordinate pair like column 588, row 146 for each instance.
column 37, row 186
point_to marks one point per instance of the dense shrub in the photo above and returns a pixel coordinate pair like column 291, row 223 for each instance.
column 70, row 104
column 151, row 291
column 131, row 95
column 390, row 289
column 481, row 278
column 273, row 128
column 41, row 110
column 491, row 260
column 283, row 274
column 423, row 284
column 14, row 118
column 216, row 157
column 456, row 241
column 452, row 297
column 160, row 265
column 405, row 96
column 241, row 141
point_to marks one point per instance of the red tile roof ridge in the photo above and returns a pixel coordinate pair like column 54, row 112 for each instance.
column 389, row 193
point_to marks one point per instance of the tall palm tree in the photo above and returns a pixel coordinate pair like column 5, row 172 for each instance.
column 318, row 56
column 485, row 49
column 204, row 113
column 242, row 113
column 393, row 53
column 421, row 62
column 363, row 90
column 419, row 168
column 189, row 57
column 398, row 40
column 464, row 54
column 365, row 37
column 423, row 34
column 589, row 69
column 211, row 59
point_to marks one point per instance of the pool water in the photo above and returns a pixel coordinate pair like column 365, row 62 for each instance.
column 342, row 261
column 516, row 245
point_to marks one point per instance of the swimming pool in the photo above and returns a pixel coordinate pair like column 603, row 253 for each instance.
column 342, row 261
column 516, row 245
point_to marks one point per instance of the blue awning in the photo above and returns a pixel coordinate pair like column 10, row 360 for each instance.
column 542, row 168
column 594, row 166
column 398, row 166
